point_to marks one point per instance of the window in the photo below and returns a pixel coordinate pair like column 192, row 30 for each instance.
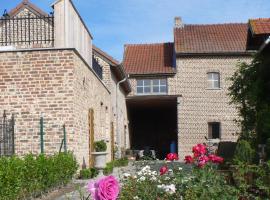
column 152, row 86
column 214, row 130
column 213, row 80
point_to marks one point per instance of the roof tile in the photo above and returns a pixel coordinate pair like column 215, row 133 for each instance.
column 216, row 38
column 260, row 26
column 149, row 58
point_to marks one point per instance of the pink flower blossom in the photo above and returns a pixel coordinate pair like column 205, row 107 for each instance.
column 106, row 188
column 199, row 150
column 202, row 161
column 189, row 159
column 172, row 156
column 215, row 159
column 163, row 170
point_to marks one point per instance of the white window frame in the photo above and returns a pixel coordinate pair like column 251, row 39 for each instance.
column 211, row 82
column 152, row 85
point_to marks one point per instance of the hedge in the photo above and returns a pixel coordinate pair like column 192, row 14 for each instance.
column 21, row 178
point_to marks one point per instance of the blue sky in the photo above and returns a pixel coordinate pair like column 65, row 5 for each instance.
column 114, row 23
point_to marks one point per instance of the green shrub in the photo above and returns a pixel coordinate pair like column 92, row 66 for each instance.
column 122, row 162
column 88, row 173
column 100, row 146
column 21, row 178
column 268, row 148
column 109, row 168
column 244, row 152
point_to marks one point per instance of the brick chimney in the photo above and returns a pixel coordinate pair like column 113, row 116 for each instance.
column 178, row 23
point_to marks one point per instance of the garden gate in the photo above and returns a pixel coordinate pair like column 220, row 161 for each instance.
column 7, row 146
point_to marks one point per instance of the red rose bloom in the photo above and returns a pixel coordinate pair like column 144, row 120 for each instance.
column 188, row 159
column 172, row 156
column 163, row 170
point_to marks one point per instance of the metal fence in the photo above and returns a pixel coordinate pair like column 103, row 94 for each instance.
column 7, row 146
column 26, row 30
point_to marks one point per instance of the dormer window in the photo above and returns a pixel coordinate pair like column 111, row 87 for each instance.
column 213, row 80
column 151, row 86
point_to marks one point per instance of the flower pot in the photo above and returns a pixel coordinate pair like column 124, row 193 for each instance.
column 100, row 159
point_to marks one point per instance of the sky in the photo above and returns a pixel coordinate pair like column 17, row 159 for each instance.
column 114, row 23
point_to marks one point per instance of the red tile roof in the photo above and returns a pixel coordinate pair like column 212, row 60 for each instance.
column 216, row 38
column 260, row 26
column 149, row 58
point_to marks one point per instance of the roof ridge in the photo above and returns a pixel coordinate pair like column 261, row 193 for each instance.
column 148, row 44
column 218, row 24
column 106, row 55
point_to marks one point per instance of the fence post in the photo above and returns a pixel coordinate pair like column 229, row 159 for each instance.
column 65, row 138
column 13, row 134
column 41, row 134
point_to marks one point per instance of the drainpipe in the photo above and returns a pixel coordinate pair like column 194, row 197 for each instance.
column 266, row 42
column 117, row 119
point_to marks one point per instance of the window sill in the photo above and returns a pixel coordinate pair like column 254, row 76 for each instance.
column 214, row 88
column 151, row 94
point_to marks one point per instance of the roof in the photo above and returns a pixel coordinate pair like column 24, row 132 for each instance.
column 212, row 38
column 260, row 26
column 105, row 55
column 28, row 5
column 149, row 58
column 116, row 68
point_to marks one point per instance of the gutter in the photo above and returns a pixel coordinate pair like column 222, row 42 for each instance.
column 266, row 42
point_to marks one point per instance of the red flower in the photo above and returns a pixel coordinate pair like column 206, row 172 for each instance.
column 215, row 159
column 163, row 170
column 199, row 150
column 189, row 159
column 202, row 161
column 172, row 156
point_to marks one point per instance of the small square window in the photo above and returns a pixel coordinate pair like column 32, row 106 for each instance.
column 214, row 130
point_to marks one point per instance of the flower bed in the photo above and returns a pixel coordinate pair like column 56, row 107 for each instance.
column 21, row 178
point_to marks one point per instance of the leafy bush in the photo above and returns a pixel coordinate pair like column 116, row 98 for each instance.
column 244, row 152
column 109, row 168
column 32, row 175
column 122, row 162
column 88, row 173
column 100, row 146
column 268, row 148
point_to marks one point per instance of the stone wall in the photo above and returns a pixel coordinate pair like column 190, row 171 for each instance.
column 111, row 81
column 59, row 84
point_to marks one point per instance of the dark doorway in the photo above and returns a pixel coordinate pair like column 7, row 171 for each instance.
column 153, row 124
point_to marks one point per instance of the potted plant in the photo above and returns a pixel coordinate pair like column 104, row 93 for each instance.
column 100, row 155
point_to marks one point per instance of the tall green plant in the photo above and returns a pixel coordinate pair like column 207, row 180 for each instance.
column 250, row 92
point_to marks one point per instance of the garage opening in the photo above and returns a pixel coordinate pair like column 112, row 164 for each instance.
column 153, row 124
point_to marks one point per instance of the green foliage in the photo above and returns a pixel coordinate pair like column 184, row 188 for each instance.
column 115, row 163
column 250, row 91
column 32, row 175
column 253, row 181
column 88, row 173
column 100, row 146
column 244, row 152
column 268, row 148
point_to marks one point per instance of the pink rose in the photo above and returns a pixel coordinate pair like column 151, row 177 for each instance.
column 172, row 156
column 199, row 150
column 202, row 161
column 215, row 159
column 106, row 188
column 189, row 159
column 163, row 170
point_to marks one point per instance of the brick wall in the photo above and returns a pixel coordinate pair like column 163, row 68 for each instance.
column 198, row 105
column 59, row 84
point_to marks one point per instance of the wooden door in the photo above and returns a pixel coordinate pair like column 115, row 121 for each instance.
column 91, row 136
column 112, row 140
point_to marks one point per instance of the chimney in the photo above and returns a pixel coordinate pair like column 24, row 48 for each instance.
column 178, row 23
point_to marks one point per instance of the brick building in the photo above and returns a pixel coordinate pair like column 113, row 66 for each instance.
column 50, row 68
column 179, row 89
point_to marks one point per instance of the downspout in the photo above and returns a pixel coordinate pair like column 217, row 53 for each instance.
column 117, row 118
column 266, row 42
